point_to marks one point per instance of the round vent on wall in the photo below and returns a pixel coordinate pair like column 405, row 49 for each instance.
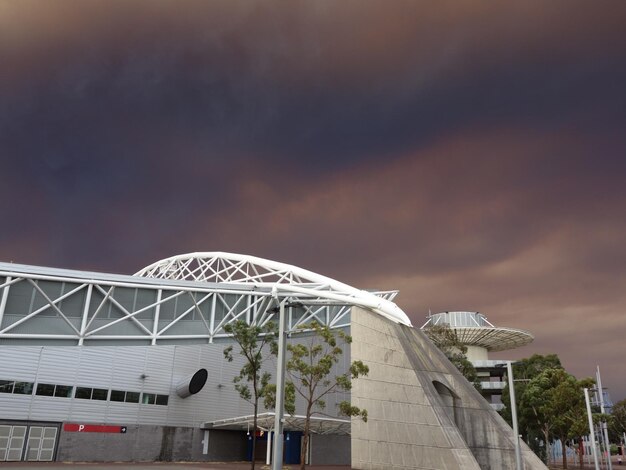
column 192, row 384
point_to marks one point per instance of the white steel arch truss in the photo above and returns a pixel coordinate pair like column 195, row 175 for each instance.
column 74, row 307
column 307, row 286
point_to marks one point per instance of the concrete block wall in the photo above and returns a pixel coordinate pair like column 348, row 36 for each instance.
column 423, row 414
column 403, row 431
column 151, row 443
column 487, row 435
column 329, row 449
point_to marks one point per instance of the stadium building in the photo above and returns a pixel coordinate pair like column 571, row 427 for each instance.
column 106, row 367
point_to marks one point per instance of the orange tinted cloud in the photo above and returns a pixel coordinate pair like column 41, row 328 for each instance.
column 470, row 155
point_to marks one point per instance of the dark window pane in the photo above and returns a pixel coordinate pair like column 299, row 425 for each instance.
column 117, row 395
column 64, row 391
column 148, row 398
column 161, row 399
column 46, row 390
column 100, row 394
column 132, row 397
column 83, row 392
column 23, row 388
column 6, row 386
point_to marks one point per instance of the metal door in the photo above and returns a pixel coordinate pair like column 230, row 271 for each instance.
column 12, row 442
column 41, row 443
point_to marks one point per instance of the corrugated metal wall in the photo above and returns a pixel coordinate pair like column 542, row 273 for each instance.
column 150, row 369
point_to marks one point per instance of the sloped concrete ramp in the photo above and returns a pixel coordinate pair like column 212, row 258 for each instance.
column 423, row 414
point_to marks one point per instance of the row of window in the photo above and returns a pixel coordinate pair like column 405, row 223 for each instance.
column 22, row 388
column 84, row 393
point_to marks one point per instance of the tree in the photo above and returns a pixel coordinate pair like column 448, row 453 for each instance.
column 251, row 383
column 570, row 411
column 524, row 371
column 309, row 368
column 554, row 403
column 617, row 422
column 446, row 339
column 534, row 365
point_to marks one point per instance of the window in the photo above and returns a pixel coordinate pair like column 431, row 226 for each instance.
column 87, row 393
column 63, row 391
column 148, row 399
column 99, row 394
column 23, row 388
column 50, row 390
column 6, row 386
column 46, row 390
column 161, row 400
column 83, row 393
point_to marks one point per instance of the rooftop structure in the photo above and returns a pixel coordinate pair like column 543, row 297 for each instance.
column 481, row 337
column 178, row 300
column 478, row 334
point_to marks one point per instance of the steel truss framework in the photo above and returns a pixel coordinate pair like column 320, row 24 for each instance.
column 177, row 300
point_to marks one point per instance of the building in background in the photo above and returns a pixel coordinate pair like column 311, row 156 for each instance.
column 481, row 337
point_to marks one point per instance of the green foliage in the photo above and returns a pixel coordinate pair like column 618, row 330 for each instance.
column 310, row 366
column 251, row 383
column 269, row 399
column 346, row 409
column 552, row 405
column 252, row 341
column 617, row 420
column 534, row 365
column 524, row 371
column 447, row 341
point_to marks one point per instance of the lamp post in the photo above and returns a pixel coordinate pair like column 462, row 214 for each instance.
column 603, row 428
column 593, row 434
column 277, row 463
column 518, row 451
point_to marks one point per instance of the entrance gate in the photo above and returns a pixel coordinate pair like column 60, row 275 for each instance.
column 41, row 443
column 32, row 442
column 12, row 442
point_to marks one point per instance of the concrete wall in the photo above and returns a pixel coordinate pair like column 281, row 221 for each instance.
column 328, row 449
column 151, row 443
column 423, row 413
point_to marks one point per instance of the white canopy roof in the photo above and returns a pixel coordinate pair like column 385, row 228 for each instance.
column 288, row 280
column 265, row 422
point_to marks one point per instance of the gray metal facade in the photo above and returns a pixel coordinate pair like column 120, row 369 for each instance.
column 102, row 349
column 147, row 370
column 67, row 334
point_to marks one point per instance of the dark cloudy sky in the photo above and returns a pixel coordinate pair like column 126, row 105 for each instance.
column 470, row 154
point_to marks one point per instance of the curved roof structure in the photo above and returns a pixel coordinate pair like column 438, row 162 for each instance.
column 179, row 300
column 287, row 280
column 473, row 329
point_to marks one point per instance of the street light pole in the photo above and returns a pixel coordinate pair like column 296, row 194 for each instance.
column 277, row 463
column 518, row 452
column 593, row 434
column 603, row 428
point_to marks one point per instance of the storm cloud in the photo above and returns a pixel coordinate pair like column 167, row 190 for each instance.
column 471, row 155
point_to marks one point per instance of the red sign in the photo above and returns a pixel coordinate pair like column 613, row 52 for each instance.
column 72, row 427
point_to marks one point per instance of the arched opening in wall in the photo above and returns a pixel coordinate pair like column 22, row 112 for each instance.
column 451, row 400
